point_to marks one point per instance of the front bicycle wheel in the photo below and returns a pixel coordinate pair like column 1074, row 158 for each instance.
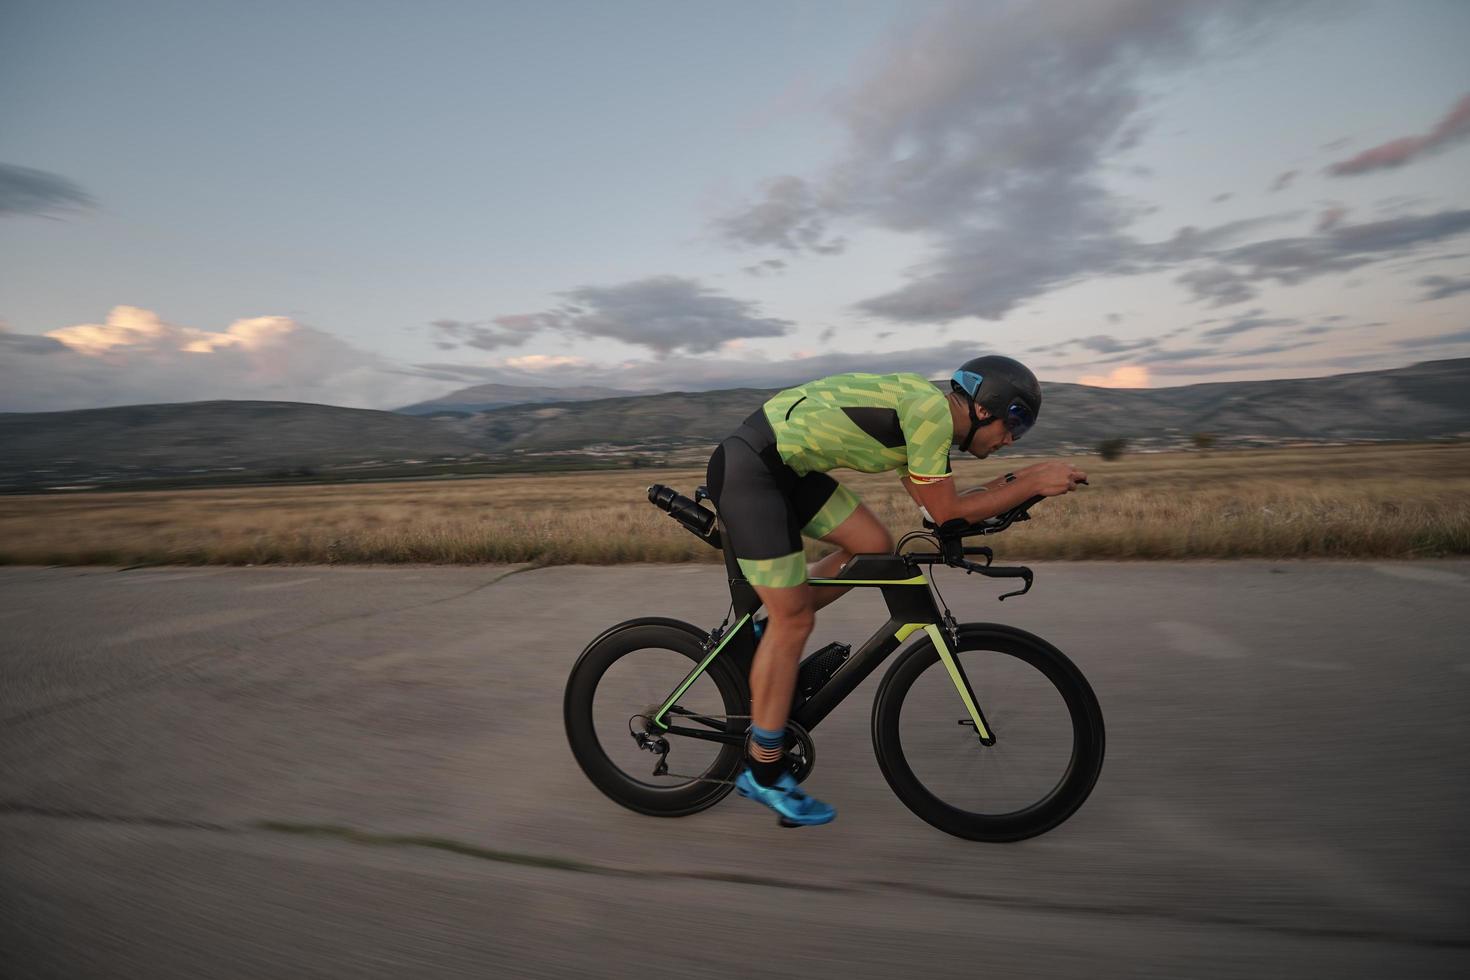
column 1044, row 717
column 615, row 688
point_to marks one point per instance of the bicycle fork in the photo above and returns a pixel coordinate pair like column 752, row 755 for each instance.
column 957, row 675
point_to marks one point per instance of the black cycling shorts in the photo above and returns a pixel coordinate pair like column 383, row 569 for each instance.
column 765, row 506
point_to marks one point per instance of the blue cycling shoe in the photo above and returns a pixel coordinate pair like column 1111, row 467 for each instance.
column 790, row 802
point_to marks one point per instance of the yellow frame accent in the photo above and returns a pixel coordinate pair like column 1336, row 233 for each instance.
column 954, row 674
column 907, row 630
column 658, row 719
column 916, row 580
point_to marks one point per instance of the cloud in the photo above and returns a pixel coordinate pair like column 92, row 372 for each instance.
column 135, row 357
column 789, row 216
column 1331, row 217
column 1441, row 287
column 1189, row 353
column 27, row 191
column 1283, row 181
column 679, row 372
column 1126, row 376
column 1251, row 321
column 512, row 332
column 1219, row 285
column 1111, row 349
column 1438, row 340
column 769, row 266
column 1104, row 344
column 666, row 314
column 1338, row 249
column 1272, row 348
column 132, row 330
column 1221, row 198
column 545, row 362
column 988, row 128
column 19, row 343
column 1453, row 128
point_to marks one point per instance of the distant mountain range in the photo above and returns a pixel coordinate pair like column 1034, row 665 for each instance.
column 482, row 398
column 222, row 441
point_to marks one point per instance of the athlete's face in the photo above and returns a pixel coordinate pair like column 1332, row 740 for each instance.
column 989, row 438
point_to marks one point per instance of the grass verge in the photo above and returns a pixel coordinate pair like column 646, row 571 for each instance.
column 1375, row 501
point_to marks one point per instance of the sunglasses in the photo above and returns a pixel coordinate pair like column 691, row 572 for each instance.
column 1018, row 419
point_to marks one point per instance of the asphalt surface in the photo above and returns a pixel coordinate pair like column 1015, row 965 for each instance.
column 282, row 772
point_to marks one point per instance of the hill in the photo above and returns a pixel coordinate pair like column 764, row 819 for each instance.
column 270, row 439
column 233, row 441
column 482, row 398
column 1424, row 401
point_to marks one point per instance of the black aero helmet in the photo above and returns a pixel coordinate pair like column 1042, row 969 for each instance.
column 1004, row 387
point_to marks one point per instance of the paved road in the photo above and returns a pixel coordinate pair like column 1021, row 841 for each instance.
column 280, row 772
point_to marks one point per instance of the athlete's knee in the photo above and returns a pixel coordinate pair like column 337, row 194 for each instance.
column 872, row 539
column 800, row 621
column 790, row 610
column 879, row 541
column 862, row 534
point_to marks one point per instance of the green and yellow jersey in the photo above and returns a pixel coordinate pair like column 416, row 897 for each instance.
column 865, row 422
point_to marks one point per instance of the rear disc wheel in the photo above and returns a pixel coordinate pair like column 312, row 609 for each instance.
column 613, row 689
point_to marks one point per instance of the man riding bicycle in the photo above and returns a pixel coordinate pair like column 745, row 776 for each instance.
column 770, row 481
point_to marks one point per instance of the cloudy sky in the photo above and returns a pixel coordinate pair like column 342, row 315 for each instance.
column 368, row 203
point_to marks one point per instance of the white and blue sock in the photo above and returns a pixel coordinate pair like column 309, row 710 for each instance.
column 765, row 754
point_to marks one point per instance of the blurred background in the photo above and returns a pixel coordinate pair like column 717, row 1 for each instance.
column 338, row 342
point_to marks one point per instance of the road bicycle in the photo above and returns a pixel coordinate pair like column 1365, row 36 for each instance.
column 985, row 731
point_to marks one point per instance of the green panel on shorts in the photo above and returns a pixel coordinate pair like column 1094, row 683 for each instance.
column 838, row 508
column 775, row 572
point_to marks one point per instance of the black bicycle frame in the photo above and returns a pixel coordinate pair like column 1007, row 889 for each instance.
column 911, row 608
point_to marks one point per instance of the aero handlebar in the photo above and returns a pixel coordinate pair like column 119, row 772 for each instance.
column 950, row 535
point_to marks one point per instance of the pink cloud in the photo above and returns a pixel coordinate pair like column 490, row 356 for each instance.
column 1395, row 153
column 1125, row 376
column 1331, row 217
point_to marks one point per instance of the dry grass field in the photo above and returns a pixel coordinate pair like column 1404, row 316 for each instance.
column 1383, row 501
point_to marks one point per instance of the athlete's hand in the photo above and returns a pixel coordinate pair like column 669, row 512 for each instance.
column 1055, row 478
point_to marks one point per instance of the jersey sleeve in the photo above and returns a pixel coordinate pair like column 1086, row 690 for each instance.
column 928, row 432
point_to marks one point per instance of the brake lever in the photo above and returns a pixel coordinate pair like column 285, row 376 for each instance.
column 1025, row 575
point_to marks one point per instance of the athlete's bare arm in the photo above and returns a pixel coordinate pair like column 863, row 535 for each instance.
column 943, row 502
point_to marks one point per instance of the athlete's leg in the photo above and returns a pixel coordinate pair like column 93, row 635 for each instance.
column 773, row 677
column 860, row 534
column 753, row 495
column 822, row 506
column 773, row 672
column 754, row 492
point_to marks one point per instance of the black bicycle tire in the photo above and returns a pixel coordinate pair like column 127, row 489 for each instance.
column 1038, row 818
column 606, row 775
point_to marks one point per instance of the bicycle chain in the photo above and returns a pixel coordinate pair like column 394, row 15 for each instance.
column 704, row 779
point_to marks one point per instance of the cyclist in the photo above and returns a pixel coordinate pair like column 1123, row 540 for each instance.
column 770, row 481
